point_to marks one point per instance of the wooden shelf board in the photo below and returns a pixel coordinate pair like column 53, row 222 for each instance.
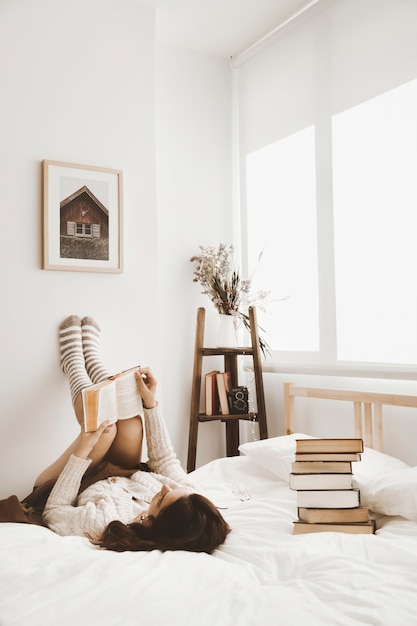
column 222, row 351
column 202, row 417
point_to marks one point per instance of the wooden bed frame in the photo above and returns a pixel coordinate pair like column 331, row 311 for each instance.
column 367, row 409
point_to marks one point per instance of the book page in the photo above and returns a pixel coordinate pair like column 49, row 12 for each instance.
column 107, row 405
column 129, row 402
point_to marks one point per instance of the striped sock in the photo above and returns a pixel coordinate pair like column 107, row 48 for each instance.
column 91, row 343
column 72, row 357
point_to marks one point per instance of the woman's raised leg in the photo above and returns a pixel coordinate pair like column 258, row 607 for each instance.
column 72, row 357
column 126, row 449
column 73, row 364
column 90, row 332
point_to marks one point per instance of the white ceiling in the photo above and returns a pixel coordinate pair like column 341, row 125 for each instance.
column 220, row 27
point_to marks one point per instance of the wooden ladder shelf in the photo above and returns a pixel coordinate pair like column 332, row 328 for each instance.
column 230, row 356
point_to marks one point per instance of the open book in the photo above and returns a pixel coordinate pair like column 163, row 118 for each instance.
column 116, row 398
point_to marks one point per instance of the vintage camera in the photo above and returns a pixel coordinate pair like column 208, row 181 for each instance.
column 238, row 399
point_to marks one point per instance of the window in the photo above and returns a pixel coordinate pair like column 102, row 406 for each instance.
column 84, row 229
column 328, row 155
column 81, row 229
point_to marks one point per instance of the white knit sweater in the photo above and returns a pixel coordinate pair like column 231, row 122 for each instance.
column 115, row 498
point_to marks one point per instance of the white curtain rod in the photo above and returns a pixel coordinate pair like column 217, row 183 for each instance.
column 237, row 59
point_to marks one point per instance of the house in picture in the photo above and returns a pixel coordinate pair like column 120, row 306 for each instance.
column 84, row 227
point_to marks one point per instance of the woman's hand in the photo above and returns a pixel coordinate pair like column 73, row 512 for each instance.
column 87, row 441
column 147, row 384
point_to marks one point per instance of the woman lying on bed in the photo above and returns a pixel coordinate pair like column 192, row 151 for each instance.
column 149, row 510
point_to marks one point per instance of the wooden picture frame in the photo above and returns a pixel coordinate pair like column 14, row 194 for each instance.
column 82, row 213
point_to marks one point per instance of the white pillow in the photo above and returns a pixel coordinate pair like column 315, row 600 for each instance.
column 373, row 464
column 393, row 493
column 275, row 454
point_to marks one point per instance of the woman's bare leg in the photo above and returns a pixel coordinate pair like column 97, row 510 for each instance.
column 126, row 449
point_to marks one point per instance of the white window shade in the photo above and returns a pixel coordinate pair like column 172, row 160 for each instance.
column 327, row 136
column 376, row 227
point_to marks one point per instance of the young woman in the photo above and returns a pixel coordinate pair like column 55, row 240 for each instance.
column 156, row 509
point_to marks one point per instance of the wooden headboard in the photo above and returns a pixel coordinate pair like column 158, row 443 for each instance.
column 367, row 409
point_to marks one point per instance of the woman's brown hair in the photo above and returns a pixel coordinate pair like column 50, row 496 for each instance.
column 190, row 523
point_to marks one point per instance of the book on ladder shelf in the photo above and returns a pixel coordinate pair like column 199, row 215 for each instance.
column 326, row 498
column 224, row 385
column 211, row 393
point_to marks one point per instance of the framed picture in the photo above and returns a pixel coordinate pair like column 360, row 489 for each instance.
column 82, row 218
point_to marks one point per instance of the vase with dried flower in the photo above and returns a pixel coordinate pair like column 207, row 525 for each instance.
column 227, row 290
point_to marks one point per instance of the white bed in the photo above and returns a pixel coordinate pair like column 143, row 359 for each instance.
column 263, row 574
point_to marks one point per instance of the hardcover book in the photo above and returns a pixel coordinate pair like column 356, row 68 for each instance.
column 329, row 445
column 113, row 399
column 328, row 456
column 320, row 481
column 365, row 528
column 321, row 467
column 328, row 498
column 333, row 516
column 224, row 384
column 212, row 395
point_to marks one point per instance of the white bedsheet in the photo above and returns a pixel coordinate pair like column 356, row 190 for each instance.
column 262, row 575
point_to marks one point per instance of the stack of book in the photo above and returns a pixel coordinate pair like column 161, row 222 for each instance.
column 326, row 499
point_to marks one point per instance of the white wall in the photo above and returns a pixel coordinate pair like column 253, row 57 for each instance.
column 193, row 140
column 78, row 85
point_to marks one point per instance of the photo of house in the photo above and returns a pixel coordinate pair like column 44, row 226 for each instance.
column 84, row 226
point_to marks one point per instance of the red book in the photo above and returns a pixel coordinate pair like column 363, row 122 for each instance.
column 212, row 396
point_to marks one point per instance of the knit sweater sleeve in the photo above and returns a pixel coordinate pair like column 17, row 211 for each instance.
column 64, row 516
column 162, row 458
